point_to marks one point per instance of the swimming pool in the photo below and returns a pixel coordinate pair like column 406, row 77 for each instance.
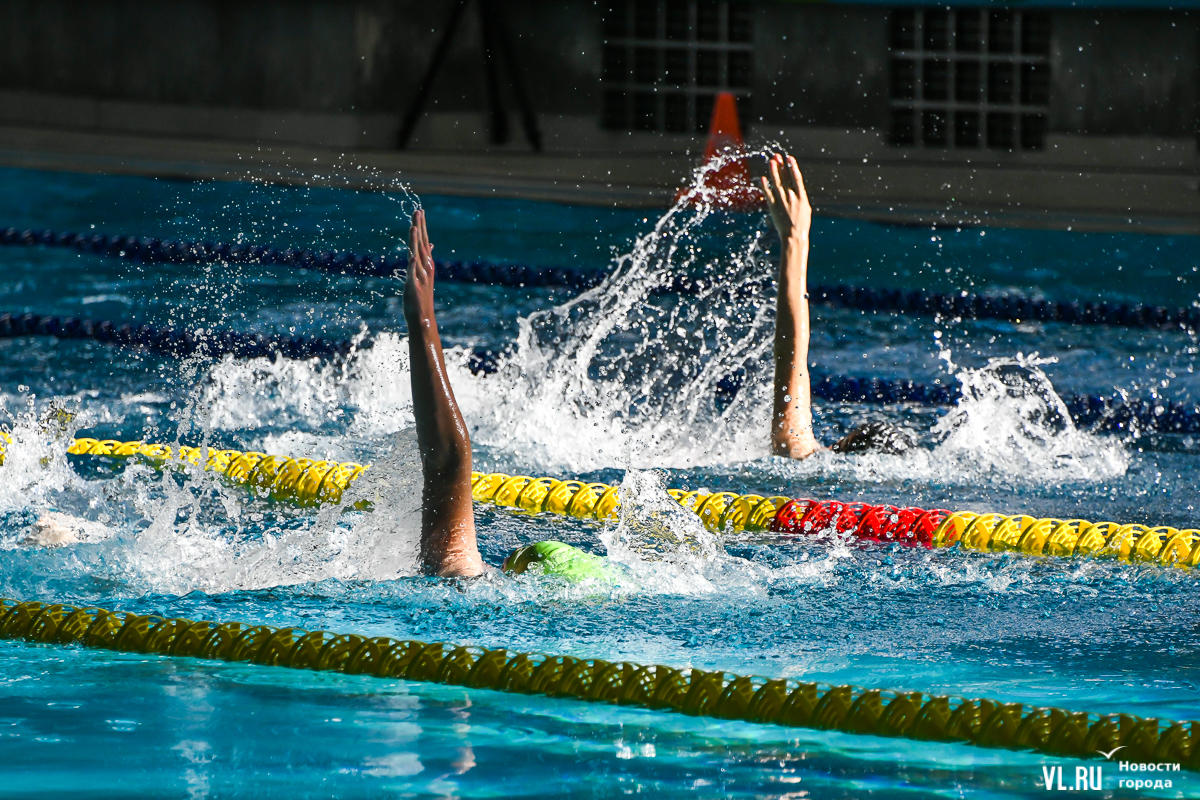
column 618, row 379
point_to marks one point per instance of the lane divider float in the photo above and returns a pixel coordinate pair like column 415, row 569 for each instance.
column 311, row 482
column 723, row 695
column 963, row 305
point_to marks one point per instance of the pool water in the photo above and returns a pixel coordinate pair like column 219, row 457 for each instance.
column 616, row 385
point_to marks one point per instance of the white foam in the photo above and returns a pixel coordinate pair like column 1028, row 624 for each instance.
column 1009, row 425
column 665, row 549
column 35, row 470
column 626, row 376
column 182, row 549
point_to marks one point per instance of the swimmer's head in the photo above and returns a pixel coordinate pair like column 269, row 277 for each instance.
column 875, row 437
column 561, row 560
column 518, row 560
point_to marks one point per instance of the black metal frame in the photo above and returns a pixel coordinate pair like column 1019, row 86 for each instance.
column 496, row 48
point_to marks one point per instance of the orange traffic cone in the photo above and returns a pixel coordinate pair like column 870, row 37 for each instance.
column 729, row 185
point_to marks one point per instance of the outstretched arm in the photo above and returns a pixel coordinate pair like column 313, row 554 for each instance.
column 791, row 420
column 448, row 546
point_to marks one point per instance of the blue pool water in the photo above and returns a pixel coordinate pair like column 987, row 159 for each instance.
column 613, row 386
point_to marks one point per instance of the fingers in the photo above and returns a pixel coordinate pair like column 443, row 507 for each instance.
column 419, row 247
column 782, row 179
column 414, row 233
column 427, row 248
column 797, row 178
column 775, row 181
column 788, row 176
column 768, row 192
column 786, row 181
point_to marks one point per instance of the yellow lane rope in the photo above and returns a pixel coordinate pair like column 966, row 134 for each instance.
column 309, row 482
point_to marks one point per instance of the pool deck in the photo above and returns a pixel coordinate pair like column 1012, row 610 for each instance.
column 921, row 189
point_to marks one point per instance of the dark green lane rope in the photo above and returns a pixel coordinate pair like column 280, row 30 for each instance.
column 850, row 709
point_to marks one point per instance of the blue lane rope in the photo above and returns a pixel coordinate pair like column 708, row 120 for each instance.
column 209, row 343
column 1103, row 412
column 170, row 341
column 965, row 305
column 150, row 249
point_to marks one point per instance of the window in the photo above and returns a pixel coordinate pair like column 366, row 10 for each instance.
column 970, row 78
column 665, row 60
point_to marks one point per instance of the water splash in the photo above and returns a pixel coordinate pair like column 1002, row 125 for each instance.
column 626, row 374
column 203, row 536
column 1010, row 424
column 665, row 549
column 652, row 527
column 389, row 535
column 1011, row 421
column 366, row 395
column 36, row 472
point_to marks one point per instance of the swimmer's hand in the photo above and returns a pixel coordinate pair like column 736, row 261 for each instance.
column 787, row 200
column 418, row 290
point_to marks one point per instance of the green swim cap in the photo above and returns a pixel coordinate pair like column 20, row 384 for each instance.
column 563, row 560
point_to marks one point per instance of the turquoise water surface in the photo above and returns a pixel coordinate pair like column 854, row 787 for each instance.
column 616, row 385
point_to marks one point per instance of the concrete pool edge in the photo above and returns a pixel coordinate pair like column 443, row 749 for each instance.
column 922, row 192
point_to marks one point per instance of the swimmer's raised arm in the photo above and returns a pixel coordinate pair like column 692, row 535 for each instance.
column 448, row 546
column 791, row 419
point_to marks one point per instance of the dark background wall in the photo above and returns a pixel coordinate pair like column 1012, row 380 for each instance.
column 1124, row 72
column 1115, row 72
column 821, row 65
column 302, row 55
column 314, row 55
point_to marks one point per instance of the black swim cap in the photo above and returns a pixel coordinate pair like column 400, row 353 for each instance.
column 875, row 437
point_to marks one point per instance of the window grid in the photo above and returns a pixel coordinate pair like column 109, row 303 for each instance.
column 664, row 61
column 970, row 78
